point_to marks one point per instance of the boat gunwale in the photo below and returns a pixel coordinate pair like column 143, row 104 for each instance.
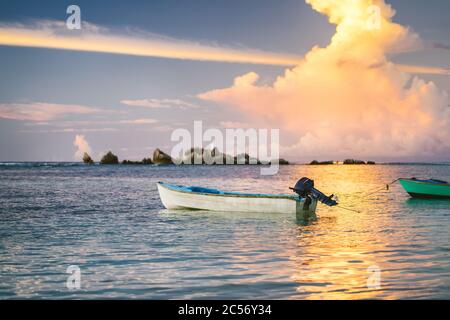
column 162, row 184
column 423, row 182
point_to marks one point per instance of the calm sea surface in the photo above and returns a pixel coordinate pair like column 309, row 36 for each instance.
column 109, row 221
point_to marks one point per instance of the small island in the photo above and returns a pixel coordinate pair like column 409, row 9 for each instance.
column 353, row 161
column 109, row 158
column 345, row 162
column 161, row 158
column 316, row 162
column 145, row 161
column 87, row 159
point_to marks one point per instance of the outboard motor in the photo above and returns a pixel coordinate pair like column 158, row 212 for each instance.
column 305, row 188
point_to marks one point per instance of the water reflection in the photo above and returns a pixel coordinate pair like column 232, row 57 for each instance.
column 428, row 203
column 109, row 221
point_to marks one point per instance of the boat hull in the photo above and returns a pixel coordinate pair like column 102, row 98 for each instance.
column 179, row 200
column 424, row 190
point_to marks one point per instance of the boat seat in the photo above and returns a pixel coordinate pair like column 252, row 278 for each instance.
column 204, row 190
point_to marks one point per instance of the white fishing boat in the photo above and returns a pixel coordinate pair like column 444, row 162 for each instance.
column 304, row 203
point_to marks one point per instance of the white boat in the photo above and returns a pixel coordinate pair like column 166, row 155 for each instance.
column 176, row 197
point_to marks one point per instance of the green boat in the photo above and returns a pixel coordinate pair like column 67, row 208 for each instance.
column 426, row 189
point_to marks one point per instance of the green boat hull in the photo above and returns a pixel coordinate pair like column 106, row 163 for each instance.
column 426, row 190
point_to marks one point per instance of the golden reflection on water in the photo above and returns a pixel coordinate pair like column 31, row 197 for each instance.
column 338, row 265
column 335, row 267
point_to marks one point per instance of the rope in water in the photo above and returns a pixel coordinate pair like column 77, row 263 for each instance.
column 348, row 209
column 386, row 187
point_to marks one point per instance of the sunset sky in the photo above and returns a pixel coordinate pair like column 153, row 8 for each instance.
column 140, row 69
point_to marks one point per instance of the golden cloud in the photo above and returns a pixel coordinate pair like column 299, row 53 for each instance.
column 348, row 99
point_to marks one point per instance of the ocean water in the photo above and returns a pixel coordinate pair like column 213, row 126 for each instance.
column 109, row 221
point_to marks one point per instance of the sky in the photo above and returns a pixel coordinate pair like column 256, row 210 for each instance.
column 137, row 70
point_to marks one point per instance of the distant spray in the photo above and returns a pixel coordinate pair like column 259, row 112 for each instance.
column 82, row 146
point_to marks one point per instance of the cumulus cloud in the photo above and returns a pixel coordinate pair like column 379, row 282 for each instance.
column 82, row 146
column 349, row 99
column 41, row 112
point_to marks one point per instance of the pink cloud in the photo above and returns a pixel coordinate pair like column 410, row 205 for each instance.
column 159, row 103
column 41, row 112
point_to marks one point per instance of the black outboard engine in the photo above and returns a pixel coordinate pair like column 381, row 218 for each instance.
column 305, row 188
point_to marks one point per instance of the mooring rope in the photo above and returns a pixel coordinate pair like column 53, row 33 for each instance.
column 348, row 209
column 386, row 187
